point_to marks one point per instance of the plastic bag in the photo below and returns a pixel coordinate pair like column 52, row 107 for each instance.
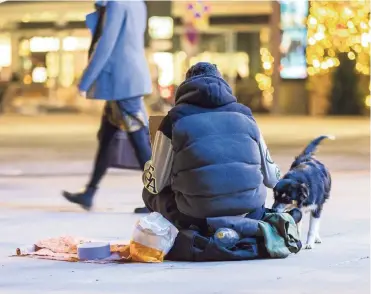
column 153, row 238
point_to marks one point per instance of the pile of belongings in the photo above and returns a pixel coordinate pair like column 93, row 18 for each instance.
column 155, row 239
column 275, row 236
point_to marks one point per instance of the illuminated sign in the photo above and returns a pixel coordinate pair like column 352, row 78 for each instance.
column 293, row 63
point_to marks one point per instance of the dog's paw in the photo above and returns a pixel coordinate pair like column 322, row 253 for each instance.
column 318, row 240
column 309, row 246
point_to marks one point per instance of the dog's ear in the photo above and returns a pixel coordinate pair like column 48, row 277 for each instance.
column 303, row 194
column 282, row 184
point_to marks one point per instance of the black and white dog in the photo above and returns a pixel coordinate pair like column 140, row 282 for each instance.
column 306, row 186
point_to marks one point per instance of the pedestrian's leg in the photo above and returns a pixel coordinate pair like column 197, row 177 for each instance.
column 142, row 146
column 105, row 136
column 138, row 131
column 135, row 117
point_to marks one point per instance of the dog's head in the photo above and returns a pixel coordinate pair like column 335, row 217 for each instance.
column 289, row 194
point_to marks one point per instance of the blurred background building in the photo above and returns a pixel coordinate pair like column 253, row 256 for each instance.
column 44, row 44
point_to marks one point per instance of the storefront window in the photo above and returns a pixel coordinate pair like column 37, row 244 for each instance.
column 5, row 57
column 229, row 64
column 39, row 75
column 165, row 64
column 44, row 44
column 67, row 76
column 5, row 52
column 62, row 59
column 160, row 27
column 76, row 43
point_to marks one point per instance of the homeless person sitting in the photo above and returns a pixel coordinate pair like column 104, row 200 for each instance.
column 209, row 158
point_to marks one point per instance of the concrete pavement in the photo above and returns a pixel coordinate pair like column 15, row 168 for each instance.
column 40, row 156
column 31, row 209
column 39, row 144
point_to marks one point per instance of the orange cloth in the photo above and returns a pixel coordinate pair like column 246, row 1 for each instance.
column 65, row 249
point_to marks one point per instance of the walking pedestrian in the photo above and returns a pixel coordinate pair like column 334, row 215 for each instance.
column 117, row 73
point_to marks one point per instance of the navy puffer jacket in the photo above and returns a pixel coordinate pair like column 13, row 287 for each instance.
column 217, row 164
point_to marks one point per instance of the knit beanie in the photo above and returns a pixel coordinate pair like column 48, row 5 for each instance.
column 203, row 68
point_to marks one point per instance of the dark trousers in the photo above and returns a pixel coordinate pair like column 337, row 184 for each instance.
column 139, row 139
column 165, row 204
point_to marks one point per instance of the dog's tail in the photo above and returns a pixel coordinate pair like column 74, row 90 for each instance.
column 312, row 146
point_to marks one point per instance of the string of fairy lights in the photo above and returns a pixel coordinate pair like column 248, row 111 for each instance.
column 333, row 27
column 264, row 79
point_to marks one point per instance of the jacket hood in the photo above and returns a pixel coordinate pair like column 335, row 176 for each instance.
column 207, row 91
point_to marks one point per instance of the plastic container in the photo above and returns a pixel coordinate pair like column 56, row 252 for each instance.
column 93, row 251
column 153, row 238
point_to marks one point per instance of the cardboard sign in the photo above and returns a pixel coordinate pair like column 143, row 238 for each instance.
column 154, row 123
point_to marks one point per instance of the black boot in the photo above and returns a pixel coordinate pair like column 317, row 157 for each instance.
column 84, row 199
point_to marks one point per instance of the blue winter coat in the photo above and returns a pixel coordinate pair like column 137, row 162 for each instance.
column 216, row 168
column 118, row 68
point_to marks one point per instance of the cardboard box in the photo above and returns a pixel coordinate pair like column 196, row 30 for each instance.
column 154, row 123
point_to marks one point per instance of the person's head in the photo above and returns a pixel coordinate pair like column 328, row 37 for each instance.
column 203, row 68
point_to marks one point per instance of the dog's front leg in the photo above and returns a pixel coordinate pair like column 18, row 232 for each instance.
column 313, row 233
column 300, row 228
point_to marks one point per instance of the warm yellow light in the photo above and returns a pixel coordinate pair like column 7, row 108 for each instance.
column 365, row 39
column 258, row 77
column 39, row 75
column 331, row 53
column 357, row 48
column 312, row 20
column 368, row 101
column 330, row 62
column 44, row 44
column 160, row 27
column 316, row 63
column 338, row 26
column 351, row 55
column 311, row 71
column 267, row 65
column 363, row 25
column 263, row 51
column 319, row 36
column 348, row 11
column 350, row 24
column 324, row 65
column 5, row 54
column 311, row 41
column 27, row 80
column 164, row 61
